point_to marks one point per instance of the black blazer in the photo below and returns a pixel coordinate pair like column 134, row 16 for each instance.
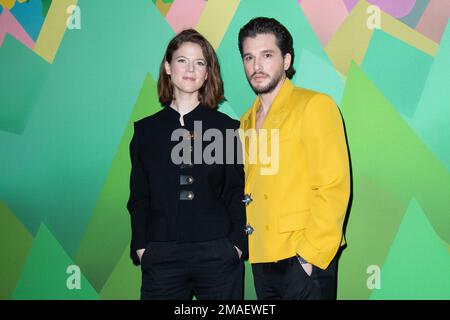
column 185, row 202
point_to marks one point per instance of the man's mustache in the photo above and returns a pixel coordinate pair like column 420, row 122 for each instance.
column 258, row 74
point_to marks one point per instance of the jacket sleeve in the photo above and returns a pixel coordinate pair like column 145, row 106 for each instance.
column 138, row 202
column 325, row 145
column 233, row 194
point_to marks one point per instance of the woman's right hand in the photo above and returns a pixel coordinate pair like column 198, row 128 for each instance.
column 140, row 253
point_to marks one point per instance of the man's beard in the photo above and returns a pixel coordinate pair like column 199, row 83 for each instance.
column 270, row 86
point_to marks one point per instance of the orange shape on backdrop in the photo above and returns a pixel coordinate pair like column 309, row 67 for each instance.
column 8, row 4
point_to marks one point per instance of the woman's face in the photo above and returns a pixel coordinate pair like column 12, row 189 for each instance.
column 187, row 69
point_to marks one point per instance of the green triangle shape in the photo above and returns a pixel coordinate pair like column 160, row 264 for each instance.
column 249, row 285
column 23, row 73
column 228, row 110
column 390, row 165
column 418, row 263
column 124, row 282
column 372, row 224
column 385, row 148
column 398, row 69
column 15, row 242
column 318, row 75
column 79, row 115
column 101, row 247
column 44, row 275
column 432, row 118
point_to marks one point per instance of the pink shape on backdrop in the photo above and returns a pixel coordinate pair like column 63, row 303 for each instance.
column 434, row 20
column 395, row 8
column 9, row 24
column 325, row 16
column 184, row 14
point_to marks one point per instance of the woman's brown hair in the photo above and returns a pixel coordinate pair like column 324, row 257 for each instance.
column 211, row 93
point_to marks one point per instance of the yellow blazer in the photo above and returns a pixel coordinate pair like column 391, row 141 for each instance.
column 299, row 203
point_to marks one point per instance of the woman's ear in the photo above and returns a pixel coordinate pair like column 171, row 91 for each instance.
column 167, row 67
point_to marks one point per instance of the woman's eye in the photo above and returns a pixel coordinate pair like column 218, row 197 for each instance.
column 181, row 60
column 201, row 63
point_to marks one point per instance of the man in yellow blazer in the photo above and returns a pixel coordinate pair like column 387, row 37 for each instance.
column 297, row 172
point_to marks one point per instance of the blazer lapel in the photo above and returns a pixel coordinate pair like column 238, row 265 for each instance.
column 278, row 110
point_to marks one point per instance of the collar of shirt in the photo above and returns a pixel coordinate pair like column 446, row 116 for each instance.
column 189, row 118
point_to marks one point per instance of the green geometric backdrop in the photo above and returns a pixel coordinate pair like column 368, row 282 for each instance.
column 69, row 97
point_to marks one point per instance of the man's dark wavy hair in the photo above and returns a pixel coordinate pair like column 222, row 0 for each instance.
column 264, row 25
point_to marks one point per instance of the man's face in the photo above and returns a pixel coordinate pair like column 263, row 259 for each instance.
column 264, row 63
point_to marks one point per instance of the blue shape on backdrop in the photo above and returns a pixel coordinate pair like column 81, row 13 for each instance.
column 29, row 15
column 412, row 19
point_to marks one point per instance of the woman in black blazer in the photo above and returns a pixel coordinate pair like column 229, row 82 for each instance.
column 186, row 188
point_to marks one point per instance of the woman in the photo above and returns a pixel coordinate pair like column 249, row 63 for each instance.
column 187, row 216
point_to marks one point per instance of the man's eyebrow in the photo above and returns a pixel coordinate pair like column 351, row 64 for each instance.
column 264, row 51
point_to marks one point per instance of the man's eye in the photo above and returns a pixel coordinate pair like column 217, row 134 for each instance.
column 268, row 55
column 247, row 58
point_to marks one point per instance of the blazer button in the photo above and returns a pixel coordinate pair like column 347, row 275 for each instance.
column 184, row 180
column 248, row 229
column 186, row 195
column 247, row 199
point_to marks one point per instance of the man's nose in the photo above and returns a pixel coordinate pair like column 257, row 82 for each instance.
column 257, row 65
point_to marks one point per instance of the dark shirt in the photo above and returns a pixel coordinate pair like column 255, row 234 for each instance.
column 187, row 201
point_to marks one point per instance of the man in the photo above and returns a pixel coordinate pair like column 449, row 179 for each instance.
column 295, row 215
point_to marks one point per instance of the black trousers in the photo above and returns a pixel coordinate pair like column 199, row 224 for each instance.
column 287, row 280
column 209, row 270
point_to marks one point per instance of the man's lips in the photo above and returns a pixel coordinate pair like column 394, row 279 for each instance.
column 259, row 77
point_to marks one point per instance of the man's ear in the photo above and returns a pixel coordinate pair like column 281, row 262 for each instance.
column 167, row 67
column 287, row 61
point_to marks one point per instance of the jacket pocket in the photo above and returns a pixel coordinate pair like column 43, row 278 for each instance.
column 293, row 221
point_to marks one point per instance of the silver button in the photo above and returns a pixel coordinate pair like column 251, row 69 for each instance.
column 186, row 180
column 247, row 199
column 186, row 195
column 248, row 229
